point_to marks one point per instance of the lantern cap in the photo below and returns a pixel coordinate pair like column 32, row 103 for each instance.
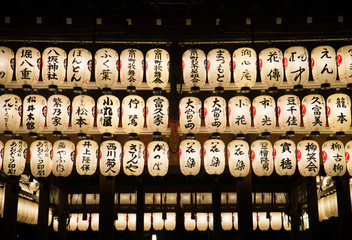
column 81, row 135
column 219, row 90
column 349, row 86
column 78, row 90
column 307, row 138
column 195, row 89
column 27, row 87
column 133, row 136
column 325, row 86
column 214, row 135
column 239, row 136
column 245, row 89
column 131, row 89
column 190, row 136
column 290, row 133
column 32, row 134
column 157, row 136
column 265, row 134
column 106, row 91
column 41, row 138
column 107, row 135
column 2, row 87
column 331, row 138
column 340, row 134
column 64, row 137
column 52, row 88
column 298, row 87
column 284, row 137
column 8, row 133
column 315, row 133
column 57, row 133
column 17, row 137
column 272, row 89
column 157, row 91
column 260, row 137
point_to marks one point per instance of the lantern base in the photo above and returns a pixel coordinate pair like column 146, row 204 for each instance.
column 8, row 133
column 290, row 133
column 190, row 136
column 265, row 134
column 245, row 89
column 272, row 89
column 340, row 134
column 81, row 135
column 325, row 86
column 240, row 136
column 315, row 133
column 53, row 88
column 77, row 90
column 219, row 89
column 33, row 134
column 195, row 89
column 27, row 87
column 349, row 86
column 107, row 135
column 2, row 87
column 57, row 133
column 298, row 87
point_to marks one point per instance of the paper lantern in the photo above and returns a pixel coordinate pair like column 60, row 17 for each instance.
column 157, row 68
column 189, row 223
column 308, row 159
column 304, row 223
column 92, row 198
column 7, row 63
column 244, row 66
column 131, row 221
column 34, row 113
column 264, row 114
column 87, row 152
column 58, row 116
column 333, row 152
column 56, row 224
column 54, row 67
column 235, row 220
column 2, row 150
column 202, row 221
column 147, row 221
column 271, row 68
column 94, row 224
column 285, row 157
column 215, row 114
column 121, row 222
column 240, row 119
column 133, row 114
column 131, row 67
column 262, row 158
column 190, row 157
column 158, row 158
column 157, row 110
column 194, row 68
column 72, row 222
column 158, row 222
column 226, row 221
column 190, row 111
column 323, row 62
column 63, row 157
column 28, row 63
column 214, row 156
column 211, row 221
column 238, row 157
column 108, row 114
column 15, row 155
column 106, row 63
column 83, row 113
column 170, row 221
column 79, row 68
column 348, row 154
column 344, row 62
column 314, row 113
column 286, row 222
column 263, row 221
column 219, row 67
column 133, row 158
column 275, row 221
column 40, row 158
column 338, row 107
column 10, row 116
column 296, row 66
column 327, row 182
column 110, row 158
column 289, row 113
column 83, row 225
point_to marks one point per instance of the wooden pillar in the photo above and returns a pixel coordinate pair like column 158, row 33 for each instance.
column 106, row 208
column 294, row 206
column 344, row 206
column 140, row 211
column 43, row 209
column 244, row 206
column 62, row 215
column 216, row 199
column 313, row 211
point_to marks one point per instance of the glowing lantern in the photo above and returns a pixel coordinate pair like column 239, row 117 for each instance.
column 194, row 68
column 214, row 156
column 262, row 158
column 285, row 157
column 157, row 113
column 190, row 157
column 54, row 67
column 289, row 113
column 240, row 119
column 133, row 158
column 275, row 221
column 158, row 222
column 131, row 67
column 15, row 155
column 238, row 156
column 83, row 225
column 263, row 221
column 226, row 221
column 219, row 68
column 202, row 221
column 235, row 220
column 58, row 116
column 131, row 221
column 110, row 158
column 271, row 68
column 34, row 113
column 286, row 222
column 7, row 63
column 215, row 114
column 157, row 68
column 133, row 114
column 10, row 116
column 314, row 113
column 344, row 61
column 106, row 68
column 56, row 224
column 40, row 158
column 63, row 157
column 87, row 152
column 28, row 63
column 189, row 223
column 264, row 114
column 2, row 149
column 190, row 110
column 108, row 114
column 79, row 68
column 255, row 220
column 170, row 221
column 121, row 222
column 338, row 107
column 308, row 159
column 158, row 158
column 296, row 66
column 73, row 222
column 211, row 221
column 348, row 154
column 147, row 221
column 94, row 224
column 83, row 113
column 333, row 152
column 244, row 66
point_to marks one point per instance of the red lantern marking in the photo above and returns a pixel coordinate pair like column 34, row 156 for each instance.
column 179, row 113
column 233, row 65
column 120, row 65
column 325, row 156
column 254, row 111
column 147, row 154
column 204, row 152
column 147, row 110
column 299, row 155
column 260, row 64
column 328, row 111
column 285, row 63
column 274, row 152
column 208, row 65
column 304, row 110
column 183, row 65
column 312, row 62
column 146, row 65
column 228, row 153
column 347, row 155
column 100, row 155
column 180, row 152
column 252, row 155
column 338, row 60
column 229, row 110
column 205, row 112
column 278, row 111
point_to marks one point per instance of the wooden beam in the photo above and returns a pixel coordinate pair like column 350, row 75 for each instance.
column 106, row 208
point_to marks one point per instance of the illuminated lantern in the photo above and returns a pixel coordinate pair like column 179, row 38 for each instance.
column 157, row 113
column 264, row 114
column 94, row 224
column 226, row 221
column 40, row 158
column 63, row 157
column 255, row 220
column 131, row 221
column 348, row 154
column 158, row 222
column 72, row 222
column 147, row 221
column 131, row 67
column 214, row 156
column 79, row 68
column 121, row 222
column 286, row 222
column 308, row 159
column 34, row 113
column 28, row 63
column 87, row 152
column 189, row 223
column 344, row 61
column 110, row 158
column 58, row 116
column 190, row 110
column 244, row 66
column 157, row 68
column 133, row 114
column 15, row 155
column 338, row 107
column 238, row 157
column 333, row 152
column 190, row 157
column 215, row 114
column 271, row 68
column 7, row 63
column 133, row 158
column 285, row 157
column 170, row 221
column 2, row 149
column 108, row 114
column 262, row 158
column 240, row 119
column 275, row 221
column 296, row 66
column 219, row 68
column 235, row 220
column 56, row 224
column 263, row 221
column 327, row 182
column 82, row 114
column 202, row 221
column 323, row 62
column 211, row 221
column 304, row 223
column 194, row 68
column 289, row 113
column 314, row 113
column 158, row 158
column 106, row 63
column 10, row 115
column 54, row 61
column 83, row 225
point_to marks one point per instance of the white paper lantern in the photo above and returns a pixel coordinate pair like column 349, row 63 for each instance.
column 286, row 222
column 344, row 62
column 226, row 221
column 190, row 111
column 79, row 67
column 106, row 64
column 94, row 224
column 58, row 116
column 83, row 225
column 2, row 150
column 219, row 67
column 194, row 68
column 235, row 220
column 10, row 116
column 158, row 158
column 83, row 113
column 110, row 158
column 63, row 157
column 202, row 221
column 308, row 159
column 263, row 221
column 170, row 221
column 244, row 66
column 121, row 222
column 264, row 114
column 314, row 113
column 40, row 158
column 133, row 158
column 131, row 221
column 157, row 68
column 108, row 114
column 271, row 68
column 56, row 224
column 275, row 221
column 338, row 107
column 87, row 152
column 333, row 152
column 289, row 113
column 189, row 223
column 157, row 110
column 255, row 220
column 147, row 221
column 131, row 67
column 133, row 114
column 285, row 157
column 190, row 157
column 323, row 62
column 15, row 155
column 239, row 110
column 158, row 222
column 54, row 66
column 73, row 222
column 34, row 113
column 28, row 63
column 238, row 157
column 348, row 154
column 215, row 114
column 7, row 63
column 296, row 66
column 262, row 158
column 214, row 156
